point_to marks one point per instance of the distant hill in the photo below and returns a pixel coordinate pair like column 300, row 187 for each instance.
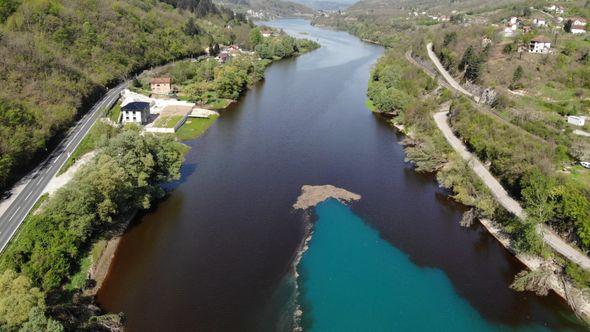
column 267, row 9
column 392, row 7
column 327, row 4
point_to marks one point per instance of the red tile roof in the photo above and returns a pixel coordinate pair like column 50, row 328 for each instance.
column 161, row 80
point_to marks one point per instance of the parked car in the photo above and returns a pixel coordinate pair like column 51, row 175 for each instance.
column 585, row 164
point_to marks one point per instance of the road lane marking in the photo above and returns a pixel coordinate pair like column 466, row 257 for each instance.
column 14, row 214
column 79, row 128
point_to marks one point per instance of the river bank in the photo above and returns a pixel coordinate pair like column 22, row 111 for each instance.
column 231, row 214
column 429, row 152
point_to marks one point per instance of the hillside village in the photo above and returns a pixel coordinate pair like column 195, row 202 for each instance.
column 192, row 91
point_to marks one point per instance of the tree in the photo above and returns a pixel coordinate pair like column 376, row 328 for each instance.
column 516, row 76
column 526, row 12
column 191, row 27
column 17, row 298
column 136, row 83
column 538, row 191
column 467, row 58
column 474, row 68
column 7, row 7
column 449, row 38
column 574, row 207
column 567, row 26
column 509, row 48
column 39, row 322
column 255, row 37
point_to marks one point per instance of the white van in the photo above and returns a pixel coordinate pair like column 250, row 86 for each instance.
column 585, row 164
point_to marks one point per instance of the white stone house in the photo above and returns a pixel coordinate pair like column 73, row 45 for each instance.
column 576, row 120
column 540, row 44
column 578, row 26
column 161, row 85
column 578, row 21
column 513, row 20
column 539, row 22
column 135, row 112
column 578, row 29
column 555, row 9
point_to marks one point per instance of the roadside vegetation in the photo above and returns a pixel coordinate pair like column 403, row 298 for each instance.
column 99, row 133
column 51, row 249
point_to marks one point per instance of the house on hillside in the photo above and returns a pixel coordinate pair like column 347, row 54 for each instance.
column 161, row 85
column 578, row 21
column 539, row 22
column 135, row 112
column 222, row 57
column 578, row 29
column 576, row 120
column 266, row 33
column 513, row 20
column 540, row 44
column 555, row 9
column 578, row 26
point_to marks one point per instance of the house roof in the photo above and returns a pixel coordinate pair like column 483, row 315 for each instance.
column 136, row 106
column 541, row 39
column 161, row 80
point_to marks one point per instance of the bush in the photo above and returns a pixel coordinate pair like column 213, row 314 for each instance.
column 124, row 176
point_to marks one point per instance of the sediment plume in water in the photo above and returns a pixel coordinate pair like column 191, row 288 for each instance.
column 313, row 195
column 310, row 197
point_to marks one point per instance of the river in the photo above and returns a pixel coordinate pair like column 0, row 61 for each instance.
column 217, row 254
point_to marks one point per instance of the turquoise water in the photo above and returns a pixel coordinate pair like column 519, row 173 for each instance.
column 352, row 280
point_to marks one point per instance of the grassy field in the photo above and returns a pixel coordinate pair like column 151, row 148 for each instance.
column 194, row 127
column 219, row 104
column 167, row 121
column 89, row 143
column 115, row 112
column 581, row 175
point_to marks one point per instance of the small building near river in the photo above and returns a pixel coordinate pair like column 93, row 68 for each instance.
column 161, row 85
column 135, row 112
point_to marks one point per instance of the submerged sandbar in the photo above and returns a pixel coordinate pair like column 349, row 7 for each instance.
column 313, row 195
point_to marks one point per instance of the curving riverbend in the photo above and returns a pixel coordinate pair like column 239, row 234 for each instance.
column 218, row 253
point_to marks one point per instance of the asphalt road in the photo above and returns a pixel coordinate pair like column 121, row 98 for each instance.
column 37, row 179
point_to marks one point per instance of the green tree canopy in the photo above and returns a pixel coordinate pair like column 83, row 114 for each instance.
column 17, row 298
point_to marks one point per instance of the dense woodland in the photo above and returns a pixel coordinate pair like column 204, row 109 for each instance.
column 58, row 56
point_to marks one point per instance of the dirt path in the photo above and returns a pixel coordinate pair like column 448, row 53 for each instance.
column 550, row 238
column 446, row 74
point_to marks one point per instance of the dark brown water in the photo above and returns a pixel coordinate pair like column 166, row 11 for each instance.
column 216, row 255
